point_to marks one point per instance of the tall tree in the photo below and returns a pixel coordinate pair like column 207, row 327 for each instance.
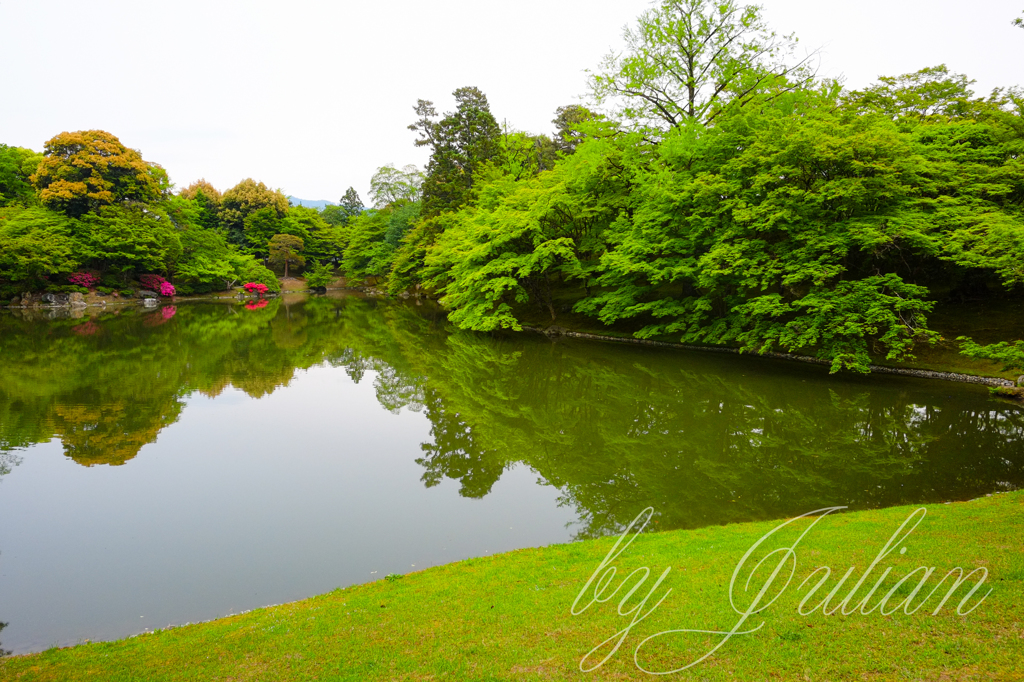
column 686, row 59
column 460, row 144
column 349, row 207
column 85, row 170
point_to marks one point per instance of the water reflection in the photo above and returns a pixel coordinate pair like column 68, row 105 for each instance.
column 703, row 438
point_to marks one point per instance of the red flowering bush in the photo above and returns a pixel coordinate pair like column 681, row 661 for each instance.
column 83, row 279
column 152, row 282
column 257, row 288
column 166, row 289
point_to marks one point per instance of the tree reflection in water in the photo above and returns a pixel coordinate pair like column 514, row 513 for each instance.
column 703, row 438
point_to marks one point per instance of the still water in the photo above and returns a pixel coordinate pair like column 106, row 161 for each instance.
column 174, row 465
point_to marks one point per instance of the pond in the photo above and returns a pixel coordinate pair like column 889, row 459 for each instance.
column 172, row 465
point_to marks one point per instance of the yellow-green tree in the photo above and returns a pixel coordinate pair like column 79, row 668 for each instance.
column 246, row 198
column 285, row 250
column 88, row 169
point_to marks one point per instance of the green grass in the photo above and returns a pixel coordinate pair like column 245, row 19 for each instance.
column 508, row 616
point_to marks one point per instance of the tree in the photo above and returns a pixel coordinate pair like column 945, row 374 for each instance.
column 1019, row 21
column 931, row 91
column 567, row 122
column 246, row 198
column 83, row 171
column 201, row 186
column 16, row 167
column 35, row 242
column 349, row 207
column 687, row 59
column 286, row 250
column 390, row 185
column 460, row 143
column 129, row 239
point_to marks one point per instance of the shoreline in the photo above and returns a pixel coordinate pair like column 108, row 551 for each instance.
column 556, row 330
column 514, row 622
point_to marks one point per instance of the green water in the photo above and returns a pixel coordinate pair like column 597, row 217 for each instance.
column 218, row 449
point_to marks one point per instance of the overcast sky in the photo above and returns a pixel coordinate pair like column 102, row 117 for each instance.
column 311, row 97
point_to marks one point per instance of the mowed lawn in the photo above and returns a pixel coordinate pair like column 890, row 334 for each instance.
column 511, row 616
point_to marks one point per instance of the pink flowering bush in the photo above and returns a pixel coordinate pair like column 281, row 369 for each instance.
column 83, row 279
column 166, row 289
column 152, row 282
column 257, row 288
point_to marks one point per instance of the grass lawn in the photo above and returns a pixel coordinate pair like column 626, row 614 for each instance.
column 508, row 616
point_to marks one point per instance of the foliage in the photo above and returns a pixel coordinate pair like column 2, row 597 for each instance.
column 35, row 243
column 932, row 91
column 460, row 144
column 246, row 198
column 87, row 170
column 248, row 269
column 151, row 281
column 686, row 60
column 520, row 237
column 285, row 251
column 319, row 276
column 129, row 239
column 390, row 185
column 349, row 207
column 1010, row 354
column 257, row 288
column 16, row 168
column 83, row 279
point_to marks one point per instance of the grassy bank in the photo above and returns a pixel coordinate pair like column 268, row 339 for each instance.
column 508, row 616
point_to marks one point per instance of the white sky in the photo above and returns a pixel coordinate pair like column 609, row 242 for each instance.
column 311, row 97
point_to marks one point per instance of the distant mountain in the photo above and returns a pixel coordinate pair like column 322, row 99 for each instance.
column 318, row 205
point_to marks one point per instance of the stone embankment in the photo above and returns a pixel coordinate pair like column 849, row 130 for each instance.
column 878, row 369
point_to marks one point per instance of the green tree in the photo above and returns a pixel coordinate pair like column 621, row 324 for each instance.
column 285, row 251
column 319, row 275
column 16, row 168
column 569, row 121
column 932, row 91
column 685, row 60
column 246, row 198
column 349, row 207
column 208, row 199
column 460, row 143
column 129, row 239
column 260, row 226
column 86, row 170
column 523, row 240
column 35, row 242
column 390, row 185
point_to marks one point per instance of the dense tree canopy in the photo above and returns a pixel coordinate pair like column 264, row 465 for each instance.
column 85, row 170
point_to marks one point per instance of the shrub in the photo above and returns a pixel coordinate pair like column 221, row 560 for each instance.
column 151, row 282
column 83, row 279
column 320, row 275
column 105, row 290
column 166, row 289
column 257, row 288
